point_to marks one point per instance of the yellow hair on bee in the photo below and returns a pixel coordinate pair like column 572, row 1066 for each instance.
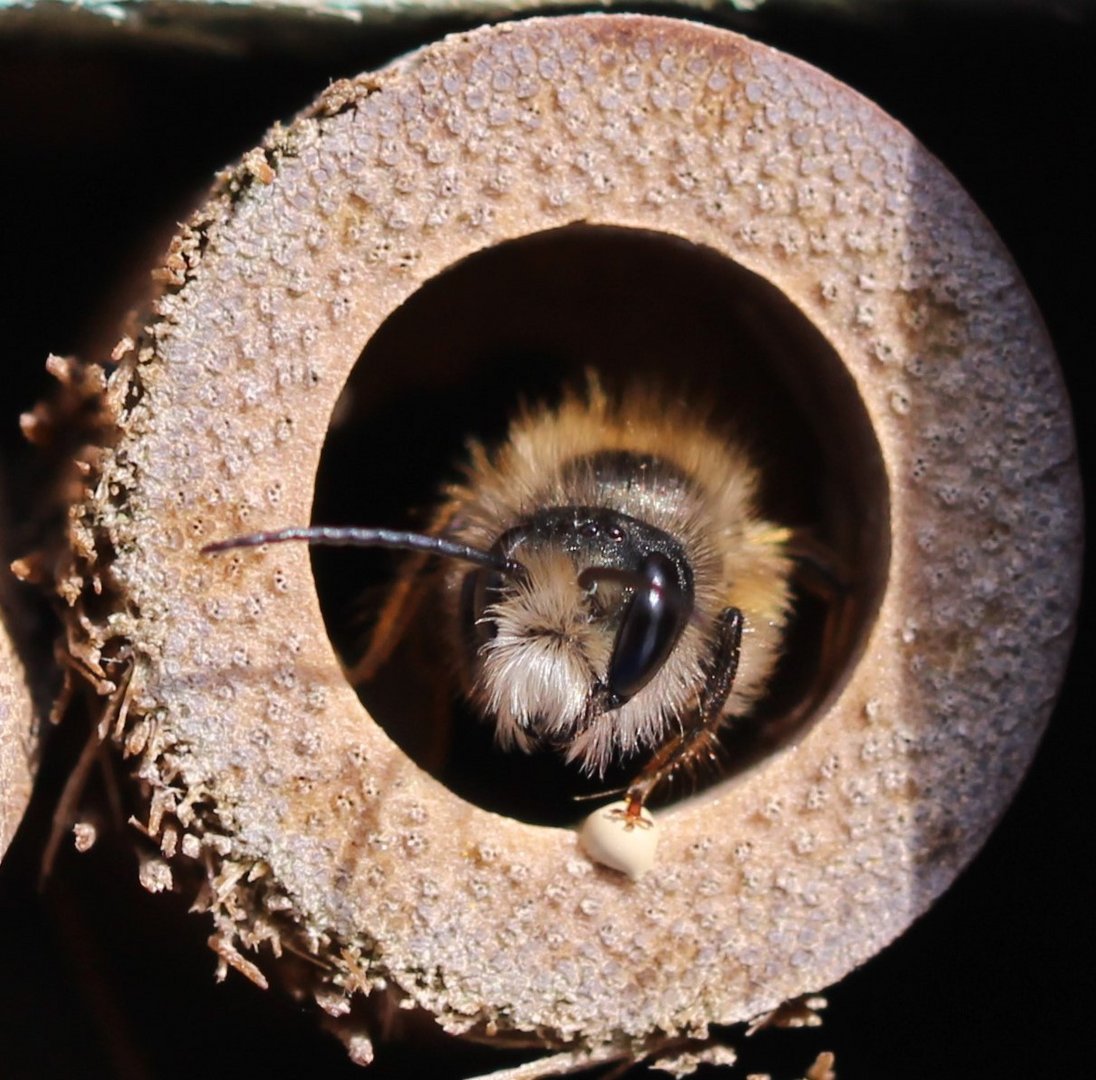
column 648, row 456
column 611, row 586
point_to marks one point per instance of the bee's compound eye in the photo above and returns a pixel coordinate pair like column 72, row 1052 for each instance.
column 652, row 623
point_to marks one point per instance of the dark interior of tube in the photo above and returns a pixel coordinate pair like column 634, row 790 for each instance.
column 517, row 323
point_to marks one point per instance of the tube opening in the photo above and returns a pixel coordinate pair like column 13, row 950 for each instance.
column 518, row 323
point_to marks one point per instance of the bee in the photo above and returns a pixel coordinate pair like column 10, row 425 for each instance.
column 609, row 586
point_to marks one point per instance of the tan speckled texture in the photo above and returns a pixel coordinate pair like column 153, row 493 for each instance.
column 17, row 742
column 317, row 828
column 18, row 723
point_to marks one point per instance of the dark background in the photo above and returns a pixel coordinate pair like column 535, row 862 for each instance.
column 105, row 143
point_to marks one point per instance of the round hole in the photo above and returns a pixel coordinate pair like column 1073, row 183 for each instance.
column 518, row 323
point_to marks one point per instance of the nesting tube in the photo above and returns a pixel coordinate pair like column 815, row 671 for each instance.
column 261, row 772
column 19, row 728
column 17, row 743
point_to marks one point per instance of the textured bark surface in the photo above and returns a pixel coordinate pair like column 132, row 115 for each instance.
column 262, row 771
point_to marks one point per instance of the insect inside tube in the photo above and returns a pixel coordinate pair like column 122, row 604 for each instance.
column 609, row 584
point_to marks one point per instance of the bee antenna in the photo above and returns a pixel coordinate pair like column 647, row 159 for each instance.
column 353, row 536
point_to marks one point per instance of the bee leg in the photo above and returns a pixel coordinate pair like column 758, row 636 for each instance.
column 825, row 593
column 400, row 609
column 397, row 615
column 699, row 739
column 819, row 570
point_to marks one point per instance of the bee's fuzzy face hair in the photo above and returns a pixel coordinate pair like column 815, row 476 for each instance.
column 537, row 675
column 538, row 672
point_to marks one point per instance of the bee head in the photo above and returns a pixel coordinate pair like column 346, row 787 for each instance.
column 566, row 618
column 600, row 603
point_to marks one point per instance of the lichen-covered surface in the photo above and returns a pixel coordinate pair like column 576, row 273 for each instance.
column 262, row 769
